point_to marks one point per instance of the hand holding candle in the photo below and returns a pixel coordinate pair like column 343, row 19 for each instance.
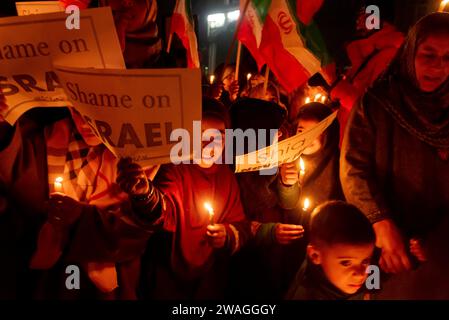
column 287, row 233
column 289, row 173
column 217, row 235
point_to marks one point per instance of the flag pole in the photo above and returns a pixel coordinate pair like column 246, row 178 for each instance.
column 237, row 63
column 170, row 38
column 265, row 84
column 239, row 23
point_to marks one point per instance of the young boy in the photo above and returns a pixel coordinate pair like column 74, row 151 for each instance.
column 340, row 250
column 188, row 259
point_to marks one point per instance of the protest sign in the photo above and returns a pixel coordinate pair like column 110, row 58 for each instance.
column 135, row 111
column 282, row 152
column 38, row 7
column 29, row 45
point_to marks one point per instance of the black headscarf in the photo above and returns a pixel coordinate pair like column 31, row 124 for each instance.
column 425, row 115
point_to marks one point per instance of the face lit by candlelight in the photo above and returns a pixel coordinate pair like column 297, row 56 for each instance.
column 432, row 62
column 343, row 264
column 304, row 125
column 212, row 149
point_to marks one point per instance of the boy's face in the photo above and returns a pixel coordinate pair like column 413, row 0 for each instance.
column 304, row 125
column 343, row 264
column 213, row 147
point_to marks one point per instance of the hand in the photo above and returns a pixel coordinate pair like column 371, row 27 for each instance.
column 234, row 90
column 215, row 90
column 132, row 178
column 346, row 93
column 287, row 233
column 417, row 250
column 394, row 257
column 217, row 235
column 289, row 173
column 63, row 210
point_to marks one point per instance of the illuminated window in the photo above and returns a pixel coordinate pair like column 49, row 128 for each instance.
column 233, row 15
column 216, row 20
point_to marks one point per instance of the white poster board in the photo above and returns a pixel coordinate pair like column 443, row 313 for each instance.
column 134, row 111
column 29, row 46
column 285, row 151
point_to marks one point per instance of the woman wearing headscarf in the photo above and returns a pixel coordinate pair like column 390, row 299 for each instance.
column 394, row 161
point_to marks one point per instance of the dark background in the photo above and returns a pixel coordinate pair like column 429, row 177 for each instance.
column 336, row 20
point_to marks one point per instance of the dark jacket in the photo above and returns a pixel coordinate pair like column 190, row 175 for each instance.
column 389, row 173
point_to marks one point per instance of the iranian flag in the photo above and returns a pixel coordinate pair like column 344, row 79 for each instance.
column 291, row 43
column 250, row 31
column 182, row 25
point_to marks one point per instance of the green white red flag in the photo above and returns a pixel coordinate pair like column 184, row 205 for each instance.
column 182, row 25
column 250, row 30
column 291, row 44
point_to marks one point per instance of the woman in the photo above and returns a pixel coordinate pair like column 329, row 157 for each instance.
column 394, row 162
column 88, row 223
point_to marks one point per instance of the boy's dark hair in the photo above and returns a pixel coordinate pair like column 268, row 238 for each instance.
column 215, row 109
column 337, row 222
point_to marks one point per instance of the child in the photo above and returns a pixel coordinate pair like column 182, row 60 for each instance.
column 89, row 224
column 188, row 260
column 340, row 250
column 321, row 181
column 271, row 254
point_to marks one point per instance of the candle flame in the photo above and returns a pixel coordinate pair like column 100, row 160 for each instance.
column 58, row 184
column 323, row 99
column 317, row 97
column 306, row 204
column 443, row 5
column 209, row 208
column 307, row 100
column 211, row 79
column 248, row 76
column 302, row 166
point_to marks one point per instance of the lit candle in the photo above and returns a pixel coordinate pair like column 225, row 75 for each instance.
column 212, row 79
column 307, row 100
column 317, row 97
column 306, row 205
column 443, row 5
column 248, row 76
column 58, row 184
column 323, row 99
column 302, row 170
column 211, row 212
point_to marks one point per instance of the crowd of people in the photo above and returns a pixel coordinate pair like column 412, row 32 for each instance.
column 377, row 183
